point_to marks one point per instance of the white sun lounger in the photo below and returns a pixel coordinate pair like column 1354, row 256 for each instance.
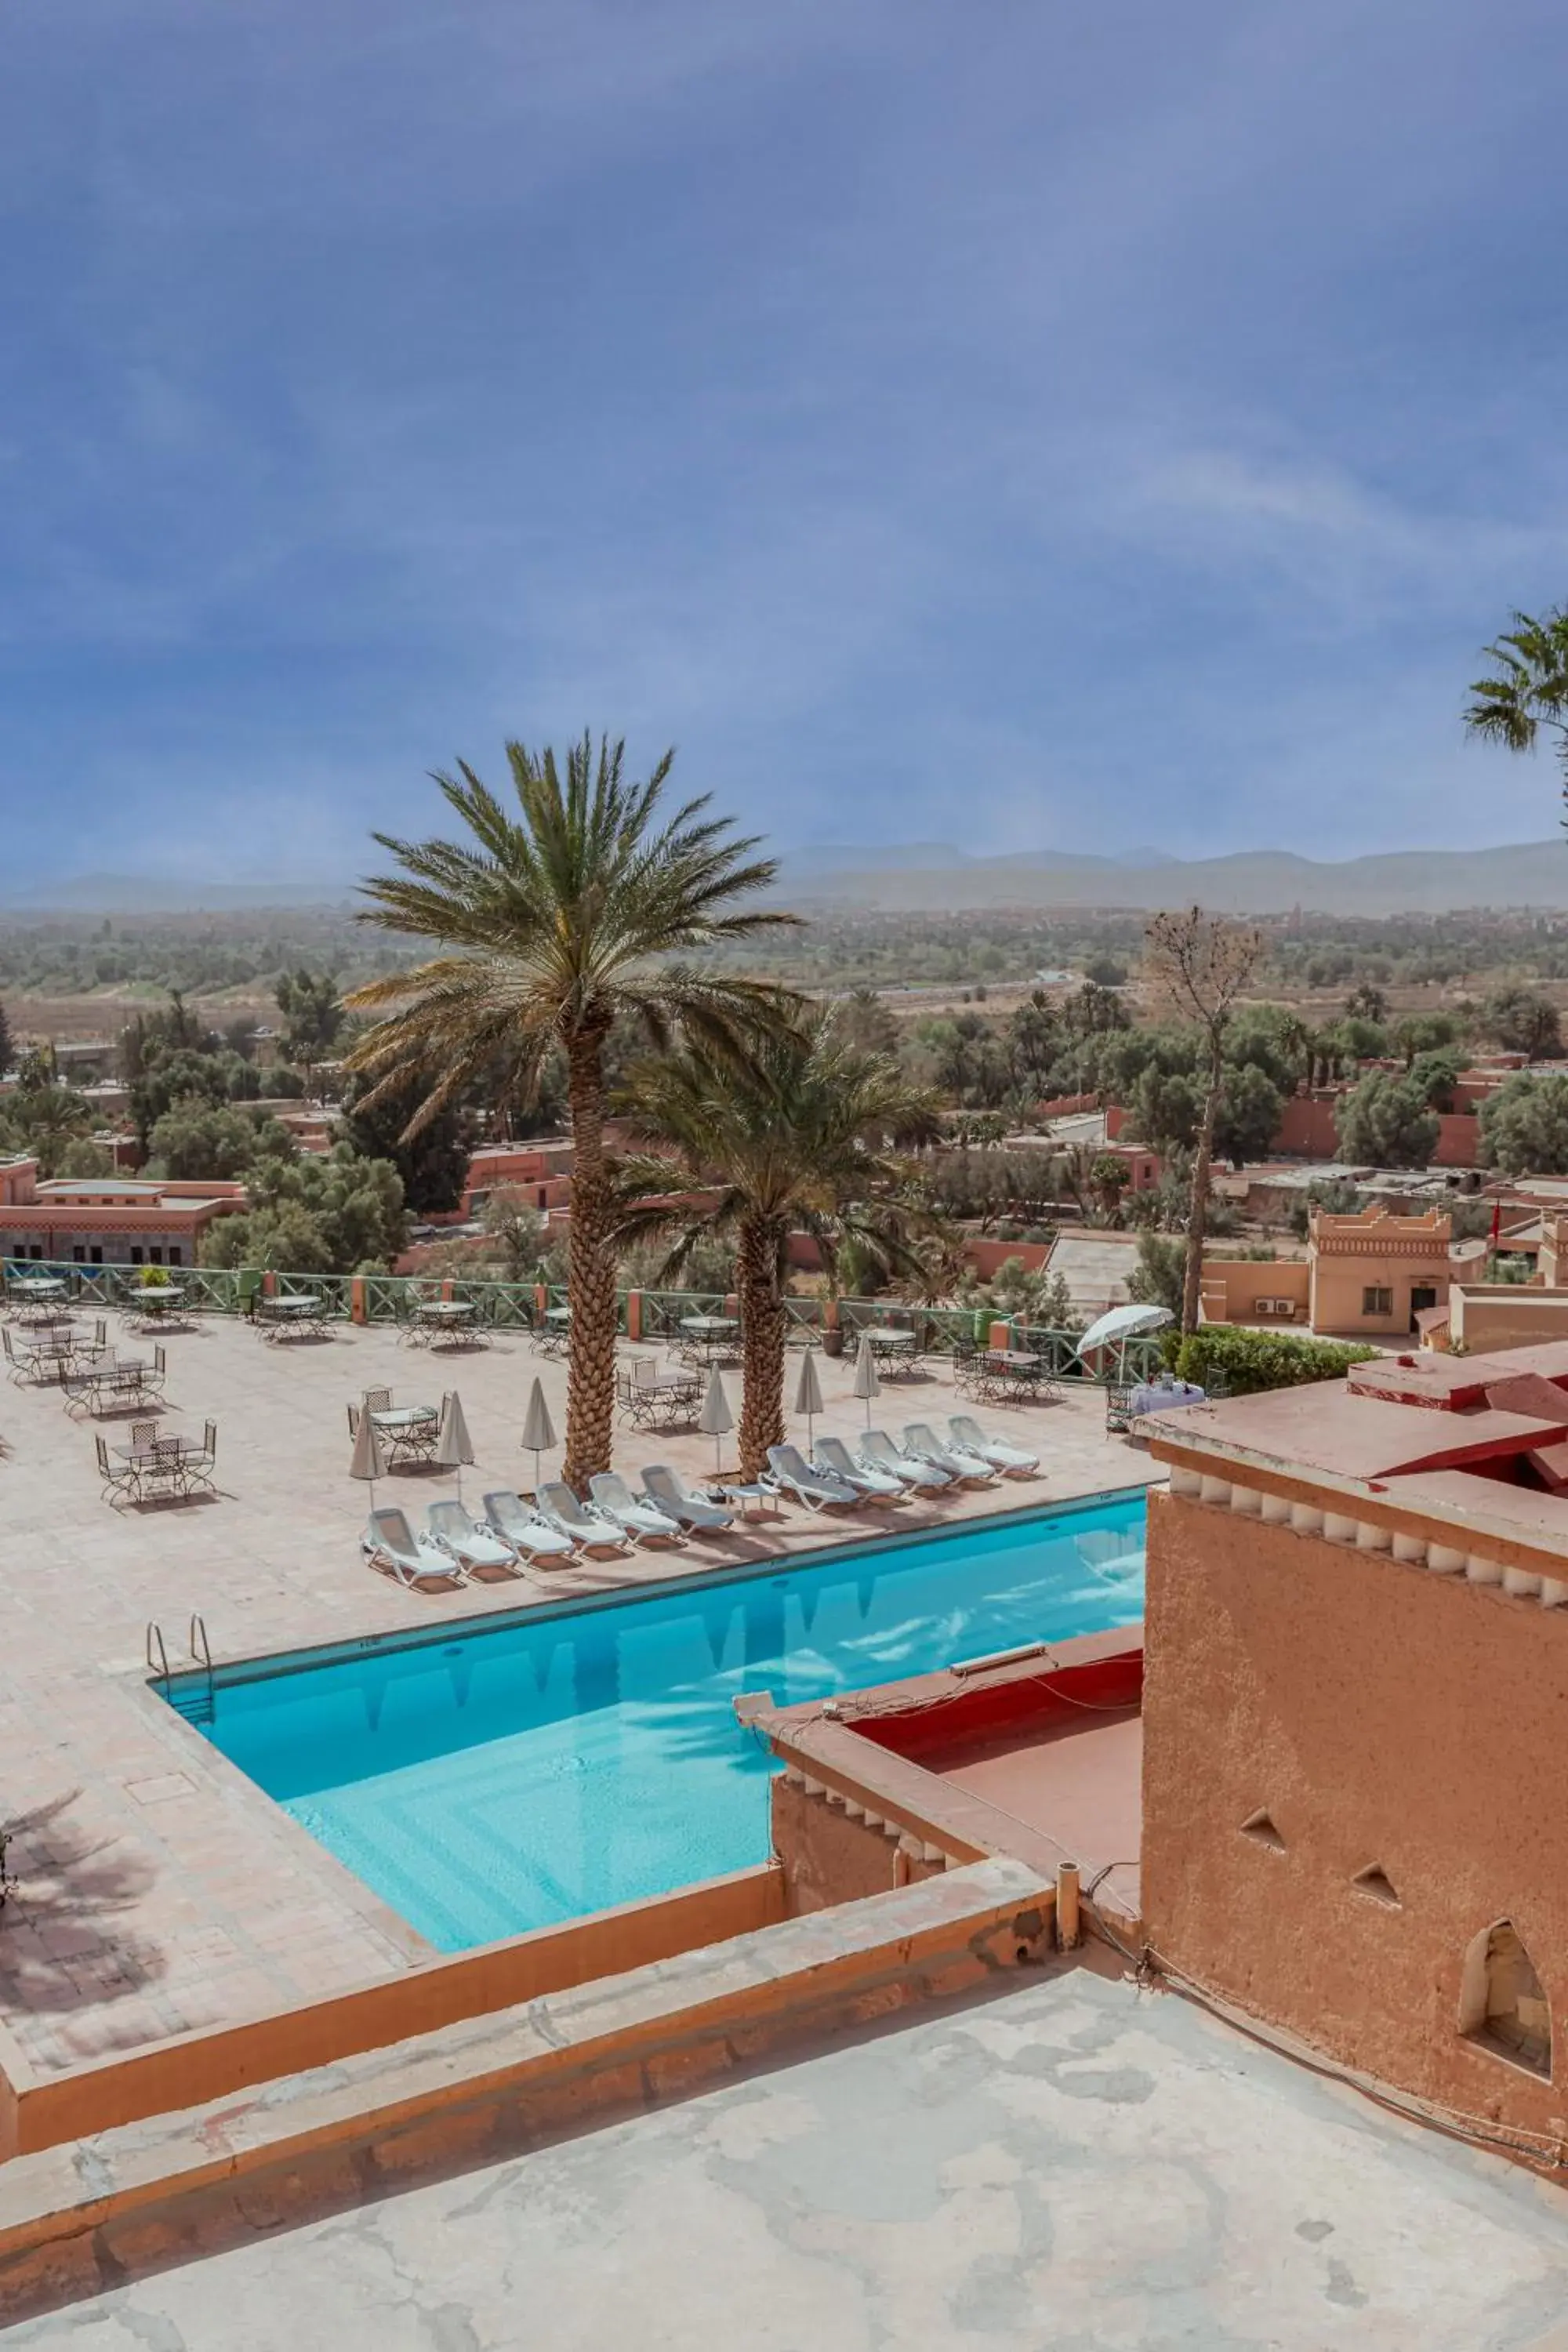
column 584, row 1522
column 920, row 1438
column 668, row 1490
column 390, row 1542
column 472, row 1546
column 616, row 1500
column 835, row 1459
column 814, row 1488
column 878, row 1453
column 968, row 1434
column 524, row 1530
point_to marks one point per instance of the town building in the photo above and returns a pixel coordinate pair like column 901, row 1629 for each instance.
column 540, row 1171
column 1373, row 1274
column 1356, row 1645
column 107, row 1220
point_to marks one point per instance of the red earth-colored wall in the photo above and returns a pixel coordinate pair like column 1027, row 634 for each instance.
column 1380, row 1714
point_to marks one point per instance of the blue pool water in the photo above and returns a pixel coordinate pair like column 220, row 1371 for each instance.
column 560, row 1761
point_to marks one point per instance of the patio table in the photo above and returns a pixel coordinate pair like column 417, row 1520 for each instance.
column 444, row 1318
column 164, row 1304
column 709, row 1338
column 411, row 1429
column 1160, row 1396
column 182, row 1461
column 554, row 1332
column 766, row 1498
column 123, row 1382
column 293, row 1312
column 34, row 1287
column 895, row 1342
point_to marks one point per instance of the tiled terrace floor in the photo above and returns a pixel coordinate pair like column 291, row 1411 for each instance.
column 159, row 1890
column 1069, row 2163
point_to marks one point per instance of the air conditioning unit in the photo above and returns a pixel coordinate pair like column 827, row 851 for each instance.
column 1277, row 1306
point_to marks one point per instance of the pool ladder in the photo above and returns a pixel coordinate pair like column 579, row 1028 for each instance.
column 196, row 1705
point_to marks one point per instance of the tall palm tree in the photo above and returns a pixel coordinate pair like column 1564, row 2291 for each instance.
column 563, row 913
column 796, row 1137
column 1529, row 689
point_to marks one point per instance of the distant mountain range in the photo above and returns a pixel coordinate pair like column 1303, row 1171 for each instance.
column 135, row 893
column 934, row 877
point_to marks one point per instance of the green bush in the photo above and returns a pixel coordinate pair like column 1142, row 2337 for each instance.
column 1244, row 1362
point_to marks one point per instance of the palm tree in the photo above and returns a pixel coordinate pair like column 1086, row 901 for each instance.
column 796, row 1137
column 1530, row 690
column 560, row 915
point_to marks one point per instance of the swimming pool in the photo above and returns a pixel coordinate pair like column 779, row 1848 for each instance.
column 564, row 1758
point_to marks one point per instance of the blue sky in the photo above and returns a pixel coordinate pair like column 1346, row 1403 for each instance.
column 1010, row 424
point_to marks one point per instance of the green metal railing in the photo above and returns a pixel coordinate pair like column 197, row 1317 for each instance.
column 515, row 1306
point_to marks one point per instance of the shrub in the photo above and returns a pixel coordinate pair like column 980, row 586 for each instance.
column 1244, row 1362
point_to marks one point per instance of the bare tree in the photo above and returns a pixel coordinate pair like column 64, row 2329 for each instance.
column 1200, row 964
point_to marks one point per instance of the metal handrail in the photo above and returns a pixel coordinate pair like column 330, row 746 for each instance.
column 202, row 1655
column 158, row 1665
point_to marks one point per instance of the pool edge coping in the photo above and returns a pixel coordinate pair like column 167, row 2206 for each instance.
column 270, row 1665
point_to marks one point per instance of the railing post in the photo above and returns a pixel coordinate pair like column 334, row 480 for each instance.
column 633, row 1314
column 1001, row 1336
column 357, row 1310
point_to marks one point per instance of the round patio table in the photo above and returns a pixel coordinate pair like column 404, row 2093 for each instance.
column 410, row 1430
column 159, row 1299
column 32, row 1288
column 453, row 1319
column 709, row 1336
column 293, row 1312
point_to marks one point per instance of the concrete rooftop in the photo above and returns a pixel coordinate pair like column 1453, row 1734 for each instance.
column 160, row 1891
column 1069, row 2163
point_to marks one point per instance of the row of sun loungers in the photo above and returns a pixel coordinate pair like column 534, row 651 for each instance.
column 555, row 1527
column 879, row 1469
column 558, row 1525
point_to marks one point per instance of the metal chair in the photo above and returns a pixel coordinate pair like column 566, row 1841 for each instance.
column 118, row 1478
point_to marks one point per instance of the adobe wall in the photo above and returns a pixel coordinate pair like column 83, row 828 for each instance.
column 1306, row 1129
column 1239, row 1283
column 1380, row 1714
column 1458, row 1139
column 829, row 1856
column 1485, row 1318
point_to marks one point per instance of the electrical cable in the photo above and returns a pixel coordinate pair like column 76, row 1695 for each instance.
column 1538, row 2147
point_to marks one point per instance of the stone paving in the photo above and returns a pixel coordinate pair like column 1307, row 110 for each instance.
column 158, row 1890
column 1069, row 2163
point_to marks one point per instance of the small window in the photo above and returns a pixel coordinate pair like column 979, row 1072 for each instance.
column 1375, row 1880
column 136, row 1254
column 174, row 1254
column 154, row 1253
column 1502, row 2007
column 1259, row 1827
column 1377, row 1302
column 95, row 1255
column 78, row 1253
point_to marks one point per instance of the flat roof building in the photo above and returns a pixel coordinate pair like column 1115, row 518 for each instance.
column 1356, row 1664
column 107, row 1220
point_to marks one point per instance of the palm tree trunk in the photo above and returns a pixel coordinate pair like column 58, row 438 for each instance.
column 763, row 1325
column 1197, row 1213
column 591, row 1270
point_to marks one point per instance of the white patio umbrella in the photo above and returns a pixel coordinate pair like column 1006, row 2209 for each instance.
column 369, row 1462
column 715, row 1417
column 1123, row 1323
column 454, row 1446
column 868, row 1382
column 808, row 1394
column 538, row 1429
